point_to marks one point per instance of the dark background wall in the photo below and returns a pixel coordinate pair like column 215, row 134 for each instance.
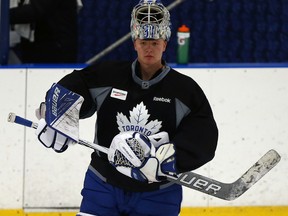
column 222, row 31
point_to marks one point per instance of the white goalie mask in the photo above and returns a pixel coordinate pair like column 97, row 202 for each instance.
column 150, row 20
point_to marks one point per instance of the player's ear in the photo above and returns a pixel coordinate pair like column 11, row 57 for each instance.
column 164, row 46
column 135, row 47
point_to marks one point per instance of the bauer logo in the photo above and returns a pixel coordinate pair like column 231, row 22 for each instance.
column 197, row 183
column 118, row 94
column 55, row 97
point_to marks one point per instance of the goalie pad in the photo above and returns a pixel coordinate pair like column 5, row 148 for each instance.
column 62, row 111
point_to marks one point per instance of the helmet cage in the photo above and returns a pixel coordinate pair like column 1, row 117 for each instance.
column 150, row 20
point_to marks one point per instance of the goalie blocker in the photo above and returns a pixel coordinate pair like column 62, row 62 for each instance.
column 61, row 124
column 62, row 111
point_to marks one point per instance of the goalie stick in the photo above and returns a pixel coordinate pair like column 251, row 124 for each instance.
column 25, row 122
column 225, row 191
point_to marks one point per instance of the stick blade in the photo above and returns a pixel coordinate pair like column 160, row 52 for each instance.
column 229, row 191
column 254, row 174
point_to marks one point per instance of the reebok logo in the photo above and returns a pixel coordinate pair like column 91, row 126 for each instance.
column 161, row 99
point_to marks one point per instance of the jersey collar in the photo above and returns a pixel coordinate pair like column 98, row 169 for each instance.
column 157, row 78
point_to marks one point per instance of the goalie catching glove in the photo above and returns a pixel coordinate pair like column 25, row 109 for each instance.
column 61, row 124
column 147, row 159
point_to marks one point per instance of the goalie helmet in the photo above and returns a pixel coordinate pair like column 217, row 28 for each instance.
column 150, row 20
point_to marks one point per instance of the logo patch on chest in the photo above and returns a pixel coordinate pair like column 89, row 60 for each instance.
column 118, row 94
column 138, row 121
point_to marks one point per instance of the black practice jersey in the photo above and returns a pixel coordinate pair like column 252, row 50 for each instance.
column 170, row 102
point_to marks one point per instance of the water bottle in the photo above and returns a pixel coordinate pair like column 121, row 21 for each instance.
column 183, row 36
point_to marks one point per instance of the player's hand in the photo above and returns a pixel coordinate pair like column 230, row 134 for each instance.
column 50, row 138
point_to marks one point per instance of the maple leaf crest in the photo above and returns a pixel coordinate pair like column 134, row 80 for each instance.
column 138, row 121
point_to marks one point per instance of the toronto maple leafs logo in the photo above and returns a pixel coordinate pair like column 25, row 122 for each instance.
column 138, row 121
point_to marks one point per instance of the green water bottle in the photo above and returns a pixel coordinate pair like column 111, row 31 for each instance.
column 183, row 36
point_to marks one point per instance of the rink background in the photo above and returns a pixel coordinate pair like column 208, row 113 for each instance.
column 249, row 104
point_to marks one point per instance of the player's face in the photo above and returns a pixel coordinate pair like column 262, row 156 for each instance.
column 150, row 51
